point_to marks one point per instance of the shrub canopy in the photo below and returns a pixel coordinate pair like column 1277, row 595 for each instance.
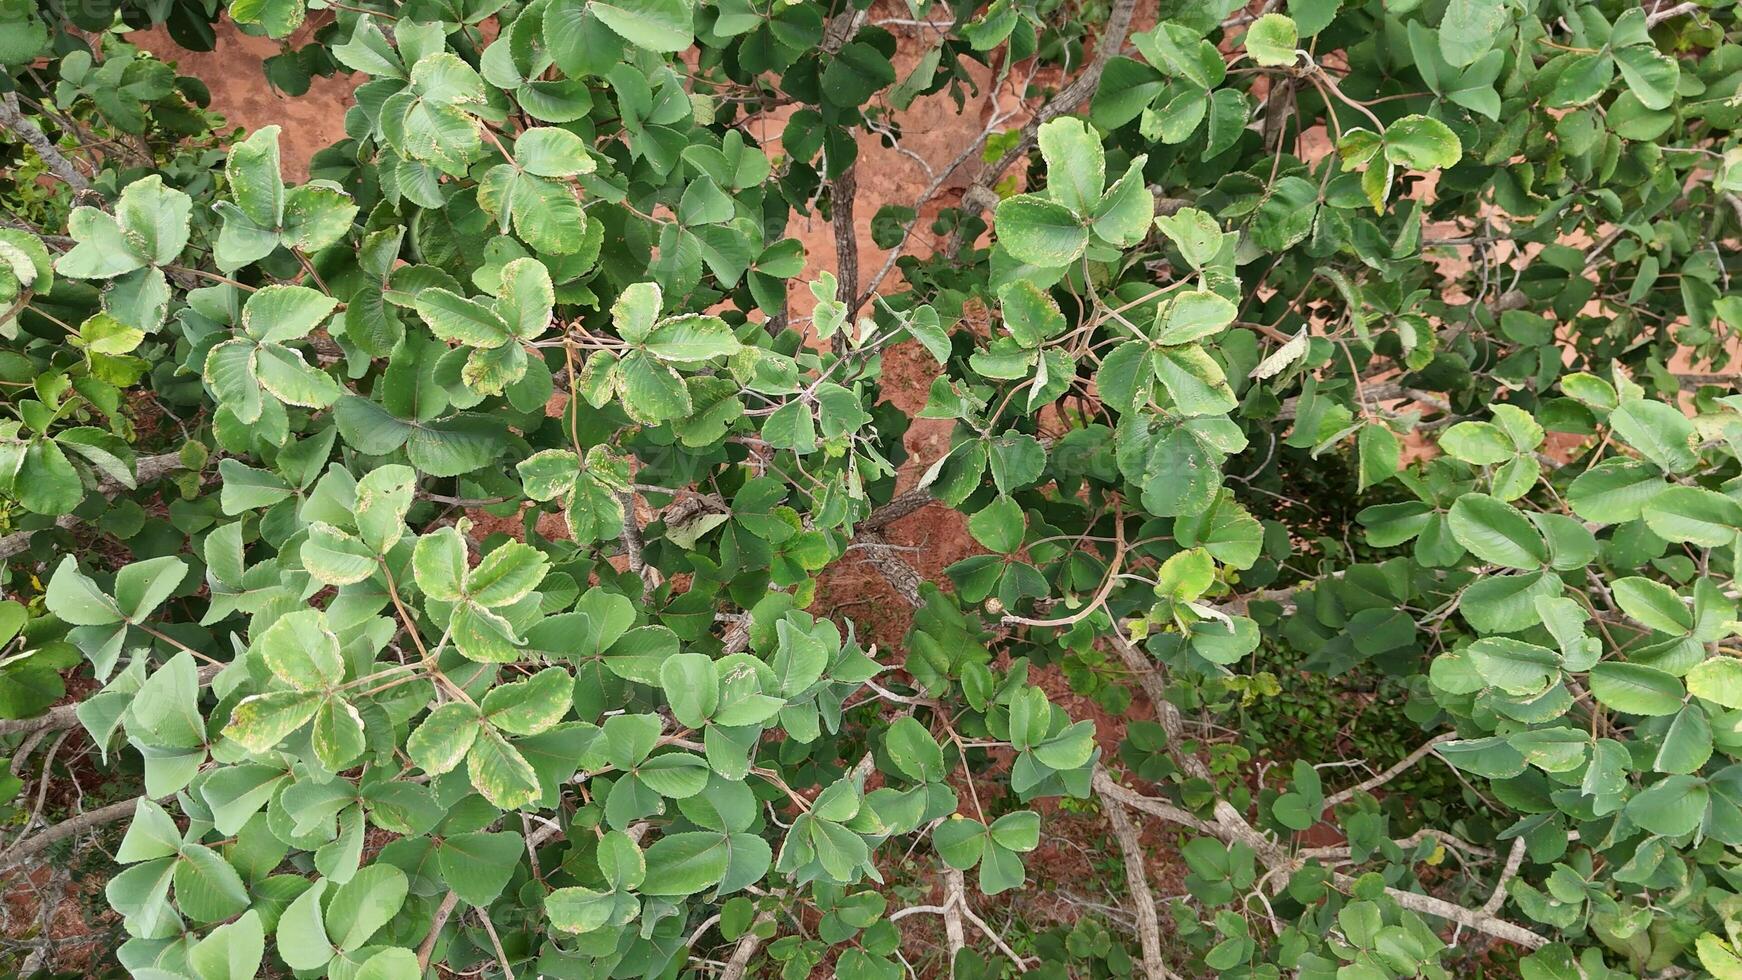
column 1331, row 341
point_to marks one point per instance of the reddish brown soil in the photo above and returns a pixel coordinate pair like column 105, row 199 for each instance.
column 310, row 122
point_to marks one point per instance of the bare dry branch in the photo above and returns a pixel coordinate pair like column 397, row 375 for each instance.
column 1402, row 765
column 1137, row 880
column 70, row 827
column 746, row 949
column 1514, row 860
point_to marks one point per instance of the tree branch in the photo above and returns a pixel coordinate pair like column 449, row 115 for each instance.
column 14, row 119
column 746, row 949
column 632, row 544
column 1513, row 861
column 899, row 506
column 70, row 827
column 1388, row 775
column 443, row 911
column 1231, row 826
column 1277, row 860
column 1669, row 13
column 843, row 190
column 901, row 576
column 1137, row 880
column 446, row 909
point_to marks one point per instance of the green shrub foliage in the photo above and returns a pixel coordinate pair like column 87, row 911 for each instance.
column 1339, row 339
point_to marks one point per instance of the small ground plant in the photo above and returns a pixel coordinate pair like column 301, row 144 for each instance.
column 1342, row 391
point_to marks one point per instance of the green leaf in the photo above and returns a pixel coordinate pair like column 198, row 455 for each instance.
column 207, row 889
column 477, row 866
column 791, row 426
column 999, row 525
column 302, row 650
column 546, row 151
column 498, row 771
column 692, row 688
column 652, row 392
column 1660, row 433
column 1636, row 688
column 855, row 74
column 692, row 339
column 1718, row 680
column 1615, row 491
column 260, row 722
column 457, row 319
column 152, row 834
column 1040, row 232
column 914, row 751
column 76, row 599
column 277, row 313
column 1693, row 515
column 506, row 575
column 1191, row 316
column 1687, row 743
column 361, row 906
column 1421, row 143
column 439, row 564
column 441, row 742
column 1481, row 443
column 1654, row 604
column 1076, row 166
column 960, row 841
column 685, row 863
column 1516, row 667
column 656, row 25
column 291, row 380
column 1380, row 454
column 1651, row 76
column 1272, row 40
column 1194, row 381
column 1469, row 28
column 103, row 249
column 1672, row 806
column 1122, row 218
column 390, row 963
column 525, row 707
column 155, row 219
column 232, row 951
column 1496, row 532
column 384, row 497
column 525, row 298
column 301, row 935
column 1196, row 234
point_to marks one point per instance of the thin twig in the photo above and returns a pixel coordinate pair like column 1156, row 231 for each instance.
column 442, row 913
column 1388, row 775
column 1513, row 861
column 1668, row 13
